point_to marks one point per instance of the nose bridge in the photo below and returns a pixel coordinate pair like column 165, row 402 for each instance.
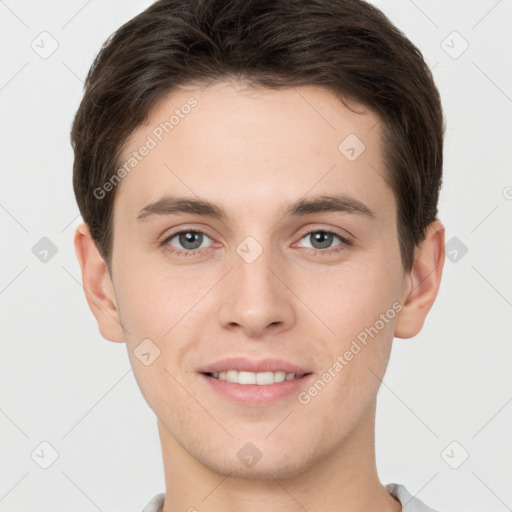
column 256, row 298
column 253, row 262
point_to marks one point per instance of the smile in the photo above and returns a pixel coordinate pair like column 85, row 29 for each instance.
column 260, row 378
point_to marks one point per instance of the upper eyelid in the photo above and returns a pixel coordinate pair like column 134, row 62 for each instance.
column 331, row 231
column 185, row 230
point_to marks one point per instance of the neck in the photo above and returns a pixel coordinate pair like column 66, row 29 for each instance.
column 346, row 481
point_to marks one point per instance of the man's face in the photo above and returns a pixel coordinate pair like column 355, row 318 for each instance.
column 255, row 284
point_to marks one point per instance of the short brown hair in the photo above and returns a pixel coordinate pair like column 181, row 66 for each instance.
column 346, row 46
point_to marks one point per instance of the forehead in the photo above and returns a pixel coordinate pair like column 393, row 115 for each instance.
column 229, row 141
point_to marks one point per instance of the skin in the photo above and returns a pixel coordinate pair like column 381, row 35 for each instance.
column 252, row 152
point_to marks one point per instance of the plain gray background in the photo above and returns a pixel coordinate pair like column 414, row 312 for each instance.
column 447, row 392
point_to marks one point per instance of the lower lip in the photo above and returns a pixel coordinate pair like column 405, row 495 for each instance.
column 255, row 394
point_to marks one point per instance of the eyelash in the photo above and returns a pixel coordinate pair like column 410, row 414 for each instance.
column 318, row 252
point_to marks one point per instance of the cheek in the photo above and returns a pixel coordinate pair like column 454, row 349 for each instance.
column 351, row 296
column 360, row 309
column 358, row 302
column 151, row 301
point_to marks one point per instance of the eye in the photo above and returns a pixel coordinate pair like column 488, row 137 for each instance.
column 322, row 239
column 189, row 240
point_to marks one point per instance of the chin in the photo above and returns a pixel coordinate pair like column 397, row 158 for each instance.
column 268, row 469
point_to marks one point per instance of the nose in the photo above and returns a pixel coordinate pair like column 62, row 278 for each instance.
column 255, row 297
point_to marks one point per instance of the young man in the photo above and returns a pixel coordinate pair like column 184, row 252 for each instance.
column 259, row 183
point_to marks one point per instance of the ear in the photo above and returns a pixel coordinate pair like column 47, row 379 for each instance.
column 422, row 283
column 97, row 284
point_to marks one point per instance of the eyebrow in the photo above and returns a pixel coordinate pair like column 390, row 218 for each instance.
column 171, row 204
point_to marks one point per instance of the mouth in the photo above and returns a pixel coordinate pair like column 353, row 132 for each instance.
column 255, row 382
column 259, row 378
column 256, row 389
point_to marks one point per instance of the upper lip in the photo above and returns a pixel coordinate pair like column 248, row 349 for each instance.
column 254, row 365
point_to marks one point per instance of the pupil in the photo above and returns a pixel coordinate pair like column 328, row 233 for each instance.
column 319, row 235
column 190, row 237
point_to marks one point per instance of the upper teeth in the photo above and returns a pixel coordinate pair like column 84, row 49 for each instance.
column 260, row 378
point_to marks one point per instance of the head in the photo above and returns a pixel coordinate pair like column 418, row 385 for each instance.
column 237, row 123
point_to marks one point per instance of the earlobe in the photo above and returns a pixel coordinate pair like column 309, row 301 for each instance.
column 98, row 288
column 423, row 282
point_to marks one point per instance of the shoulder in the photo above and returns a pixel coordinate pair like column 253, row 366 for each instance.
column 155, row 504
column 408, row 501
